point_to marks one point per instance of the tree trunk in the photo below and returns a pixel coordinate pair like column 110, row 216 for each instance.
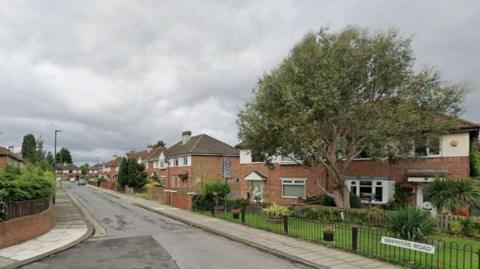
column 342, row 196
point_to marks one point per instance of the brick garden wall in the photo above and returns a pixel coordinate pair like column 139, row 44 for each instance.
column 21, row 229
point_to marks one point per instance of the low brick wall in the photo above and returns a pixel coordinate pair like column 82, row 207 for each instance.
column 22, row 229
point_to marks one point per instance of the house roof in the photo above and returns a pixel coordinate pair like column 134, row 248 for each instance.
column 202, row 145
column 7, row 152
column 96, row 166
column 255, row 176
column 115, row 162
column 148, row 154
column 67, row 166
column 467, row 125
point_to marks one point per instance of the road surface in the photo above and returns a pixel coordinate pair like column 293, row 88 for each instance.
column 137, row 238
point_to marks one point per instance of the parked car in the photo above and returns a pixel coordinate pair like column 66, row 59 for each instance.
column 82, row 181
column 72, row 179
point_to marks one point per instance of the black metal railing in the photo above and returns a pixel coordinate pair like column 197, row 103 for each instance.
column 450, row 252
column 17, row 209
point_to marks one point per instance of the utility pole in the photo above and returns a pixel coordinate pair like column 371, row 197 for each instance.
column 55, row 154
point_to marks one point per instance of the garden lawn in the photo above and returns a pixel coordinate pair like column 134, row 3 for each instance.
column 450, row 253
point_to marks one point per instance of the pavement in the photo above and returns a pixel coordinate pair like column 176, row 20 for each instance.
column 306, row 253
column 71, row 227
column 138, row 238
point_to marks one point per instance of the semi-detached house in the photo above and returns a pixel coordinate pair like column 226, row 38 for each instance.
column 374, row 181
column 9, row 157
column 190, row 162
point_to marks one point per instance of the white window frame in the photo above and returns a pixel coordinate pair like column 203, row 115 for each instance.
column 175, row 162
column 185, row 161
column 294, row 182
column 384, row 184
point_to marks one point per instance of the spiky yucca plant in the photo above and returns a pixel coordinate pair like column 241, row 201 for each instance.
column 410, row 223
column 453, row 194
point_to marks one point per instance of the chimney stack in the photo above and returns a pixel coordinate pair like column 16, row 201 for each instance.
column 186, row 135
column 11, row 149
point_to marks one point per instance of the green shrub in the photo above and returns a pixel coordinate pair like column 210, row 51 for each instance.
column 401, row 197
column 310, row 213
column 358, row 216
column 455, row 227
column 216, row 187
column 474, row 161
column 277, row 210
column 27, row 183
column 355, row 201
column 329, row 215
column 202, row 202
column 470, row 227
column 238, row 203
column 410, row 223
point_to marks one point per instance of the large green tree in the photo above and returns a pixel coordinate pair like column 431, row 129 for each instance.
column 29, row 148
column 64, row 156
column 131, row 173
column 337, row 95
column 84, row 168
column 41, row 154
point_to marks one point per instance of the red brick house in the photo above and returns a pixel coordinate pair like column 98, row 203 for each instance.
column 67, row 170
column 112, row 167
column 148, row 157
column 194, row 160
column 284, row 181
column 96, row 170
column 8, row 157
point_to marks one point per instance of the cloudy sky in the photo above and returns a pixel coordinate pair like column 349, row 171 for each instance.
column 118, row 75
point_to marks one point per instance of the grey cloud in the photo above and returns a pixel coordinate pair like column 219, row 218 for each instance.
column 118, row 75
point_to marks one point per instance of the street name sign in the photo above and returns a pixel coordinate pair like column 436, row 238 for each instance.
column 426, row 248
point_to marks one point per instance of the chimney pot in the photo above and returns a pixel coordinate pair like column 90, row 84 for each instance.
column 186, row 135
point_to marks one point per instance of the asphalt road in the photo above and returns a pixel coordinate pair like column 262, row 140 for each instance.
column 137, row 238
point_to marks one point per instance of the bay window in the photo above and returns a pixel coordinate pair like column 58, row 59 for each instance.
column 376, row 191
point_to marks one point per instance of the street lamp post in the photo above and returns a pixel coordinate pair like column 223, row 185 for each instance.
column 55, row 154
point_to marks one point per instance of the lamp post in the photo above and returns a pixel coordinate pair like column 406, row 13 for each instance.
column 55, row 154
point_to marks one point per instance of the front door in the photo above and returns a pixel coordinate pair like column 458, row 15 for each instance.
column 258, row 187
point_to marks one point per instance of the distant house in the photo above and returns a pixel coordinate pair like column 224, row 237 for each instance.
column 190, row 162
column 67, row 170
column 284, row 181
column 9, row 157
column 112, row 167
column 195, row 160
column 96, row 170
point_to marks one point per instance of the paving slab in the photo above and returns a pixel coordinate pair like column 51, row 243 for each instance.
column 70, row 228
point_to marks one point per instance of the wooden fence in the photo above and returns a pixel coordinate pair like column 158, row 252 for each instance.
column 18, row 209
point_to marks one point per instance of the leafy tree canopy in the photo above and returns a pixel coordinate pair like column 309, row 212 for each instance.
column 29, row 148
column 132, row 174
column 84, row 168
column 337, row 95
column 64, row 156
column 159, row 143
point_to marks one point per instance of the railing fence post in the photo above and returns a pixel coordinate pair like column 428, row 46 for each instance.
column 354, row 238
column 478, row 253
column 285, row 224
column 242, row 215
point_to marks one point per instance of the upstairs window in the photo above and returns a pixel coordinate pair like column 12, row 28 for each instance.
column 185, row 161
column 175, row 162
column 427, row 147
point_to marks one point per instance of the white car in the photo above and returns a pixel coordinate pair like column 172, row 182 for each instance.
column 72, row 179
